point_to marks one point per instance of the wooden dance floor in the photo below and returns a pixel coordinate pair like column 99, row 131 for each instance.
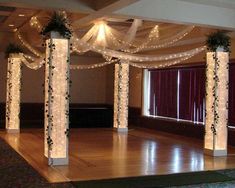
column 103, row 154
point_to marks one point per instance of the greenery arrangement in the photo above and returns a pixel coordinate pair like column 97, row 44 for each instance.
column 218, row 39
column 12, row 49
column 57, row 23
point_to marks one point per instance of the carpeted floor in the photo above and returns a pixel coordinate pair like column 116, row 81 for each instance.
column 15, row 172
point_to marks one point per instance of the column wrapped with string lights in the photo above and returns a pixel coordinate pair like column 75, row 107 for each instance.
column 216, row 103
column 13, row 93
column 121, row 96
column 216, row 130
column 57, row 99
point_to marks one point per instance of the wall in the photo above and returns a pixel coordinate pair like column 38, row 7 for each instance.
column 110, row 84
column 135, row 88
column 88, row 86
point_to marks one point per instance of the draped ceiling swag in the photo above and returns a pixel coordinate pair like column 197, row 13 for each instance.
column 120, row 38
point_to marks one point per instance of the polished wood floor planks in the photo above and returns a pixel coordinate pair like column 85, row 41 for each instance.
column 104, row 153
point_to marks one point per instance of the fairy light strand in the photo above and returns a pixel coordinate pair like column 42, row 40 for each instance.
column 27, row 45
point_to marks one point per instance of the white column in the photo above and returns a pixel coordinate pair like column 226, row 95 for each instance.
column 216, row 104
column 121, row 96
column 56, row 100
column 13, row 93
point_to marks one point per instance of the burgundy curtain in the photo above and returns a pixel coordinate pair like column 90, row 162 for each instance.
column 191, row 90
column 163, row 93
column 232, row 94
column 192, row 93
column 152, row 94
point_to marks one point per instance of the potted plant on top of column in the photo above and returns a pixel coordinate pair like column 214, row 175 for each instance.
column 57, row 25
column 218, row 41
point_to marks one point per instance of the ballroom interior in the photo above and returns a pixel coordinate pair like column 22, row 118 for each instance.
column 138, row 95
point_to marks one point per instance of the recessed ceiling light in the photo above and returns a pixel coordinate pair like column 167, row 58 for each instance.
column 11, row 25
column 21, row 15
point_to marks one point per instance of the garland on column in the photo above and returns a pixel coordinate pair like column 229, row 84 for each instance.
column 9, row 97
column 11, row 49
column 50, row 98
column 215, row 95
column 118, row 93
column 67, row 96
column 121, row 89
column 215, row 41
column 57, row 23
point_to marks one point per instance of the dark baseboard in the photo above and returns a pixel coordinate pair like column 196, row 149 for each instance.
column 134, row 114
column 81, row 115
column 101, row 115
column 231, row 137
column 172, row 126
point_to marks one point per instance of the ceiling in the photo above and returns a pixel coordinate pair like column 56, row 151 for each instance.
column 16, row 14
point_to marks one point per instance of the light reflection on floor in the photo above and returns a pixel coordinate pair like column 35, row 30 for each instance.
column 103, row 153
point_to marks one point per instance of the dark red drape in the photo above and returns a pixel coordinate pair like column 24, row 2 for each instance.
column 163, row 93
column 232, row 94
column 192, row 93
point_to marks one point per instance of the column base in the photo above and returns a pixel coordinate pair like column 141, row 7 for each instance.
column 121, row 130
column 215, row 153
column 59, row 161
column 13, row 130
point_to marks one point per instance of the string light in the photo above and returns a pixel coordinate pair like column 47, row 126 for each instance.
column 216, row 103
column 160, row 65
column 101, row 28
column 35, row 23
column 104, row 32
column 35, row 63
column 163, row 43
column 57, row 101
column 121, row 93
column 40, row 62
column 120, row 55
column 141, row 58
column 92, row 66
column 13, row 93
column 27, row 45
column 152, row 37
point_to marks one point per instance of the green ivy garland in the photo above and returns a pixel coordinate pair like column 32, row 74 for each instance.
column 50, row 100
column 218, row 39
column 12, row 49
column 58, row 23
column 119, row 91
column 214, row 91
column 9, row 99
column 214, row 41
column 67, row 97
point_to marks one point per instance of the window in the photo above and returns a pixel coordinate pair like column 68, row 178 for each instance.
column 232, row 95
column 163, row 93
column 192, row 94
column 179, row 93
column 176, row 93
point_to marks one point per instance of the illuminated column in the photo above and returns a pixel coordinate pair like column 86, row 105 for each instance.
column 13, row 93
column 216, row 104
column 56, row 100
column 121, row 96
